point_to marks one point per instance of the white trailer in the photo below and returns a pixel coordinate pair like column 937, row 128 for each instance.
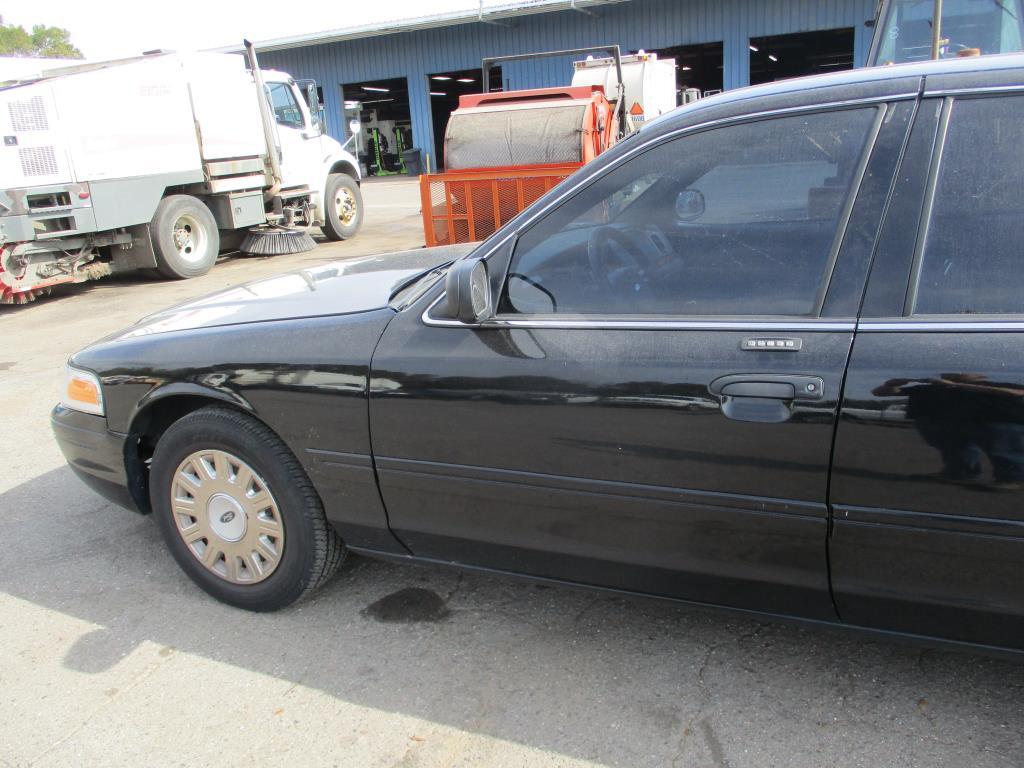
column 156, row 162
column 648, row 83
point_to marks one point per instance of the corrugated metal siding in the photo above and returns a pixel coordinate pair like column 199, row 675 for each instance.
column 637, row 24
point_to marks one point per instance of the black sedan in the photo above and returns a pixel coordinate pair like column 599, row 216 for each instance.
column 766, row 354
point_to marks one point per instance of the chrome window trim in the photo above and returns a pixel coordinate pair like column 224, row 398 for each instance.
column 909, row 325
column 641, row 325
column 981, row 91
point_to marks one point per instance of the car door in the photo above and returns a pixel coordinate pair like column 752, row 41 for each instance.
column 928, row 485
column 300, row 143
column 653, row 406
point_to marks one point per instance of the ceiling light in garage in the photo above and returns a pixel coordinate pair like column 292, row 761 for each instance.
column 440, row 77
column 754, row 48
column 376, row 89
column 773, row 57
column 466, row 80
column 437, row 93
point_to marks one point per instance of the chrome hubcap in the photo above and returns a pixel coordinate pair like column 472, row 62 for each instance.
column 227, row 516
column 345, row 205
column 189, row 238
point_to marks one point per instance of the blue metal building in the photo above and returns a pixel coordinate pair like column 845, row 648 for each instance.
column 417, row 49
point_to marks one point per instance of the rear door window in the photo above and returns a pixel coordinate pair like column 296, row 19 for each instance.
column 972, row 260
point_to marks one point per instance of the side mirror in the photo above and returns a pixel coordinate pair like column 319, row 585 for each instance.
column 313, row 99
column 311, row 95
column 468, row 291
column 689, row 205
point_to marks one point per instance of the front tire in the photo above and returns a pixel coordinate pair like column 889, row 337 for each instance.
column 185, row 237
column 238, row 512
column 343, row 207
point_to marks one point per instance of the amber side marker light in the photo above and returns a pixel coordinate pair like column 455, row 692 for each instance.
column 82, row 392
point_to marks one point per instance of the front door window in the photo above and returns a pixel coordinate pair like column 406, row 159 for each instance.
column 740, row 220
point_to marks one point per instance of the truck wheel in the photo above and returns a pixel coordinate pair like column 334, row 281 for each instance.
column 343, row 207
column 238, row 512
column 185, row 237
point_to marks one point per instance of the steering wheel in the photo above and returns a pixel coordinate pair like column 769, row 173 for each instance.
column 618, row 262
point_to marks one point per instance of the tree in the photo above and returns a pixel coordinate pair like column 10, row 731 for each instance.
column 41, row 42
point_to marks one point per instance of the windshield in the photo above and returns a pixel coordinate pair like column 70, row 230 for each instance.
column 967, row 28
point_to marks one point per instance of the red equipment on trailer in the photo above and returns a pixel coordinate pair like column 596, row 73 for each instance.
column 504, row 150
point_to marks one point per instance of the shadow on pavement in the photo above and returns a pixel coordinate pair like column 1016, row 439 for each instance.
column 582, row 674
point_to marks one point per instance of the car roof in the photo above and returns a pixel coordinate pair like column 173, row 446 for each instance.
column 898, row 76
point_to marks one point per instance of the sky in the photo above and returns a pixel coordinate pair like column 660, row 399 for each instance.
column 105, row 29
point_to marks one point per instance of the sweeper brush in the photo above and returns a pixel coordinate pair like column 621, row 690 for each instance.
column 276, row 241
column 21, row 297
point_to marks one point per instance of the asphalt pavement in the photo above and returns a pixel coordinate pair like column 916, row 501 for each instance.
column 110, row 656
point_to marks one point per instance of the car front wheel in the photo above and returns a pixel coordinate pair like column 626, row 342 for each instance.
column 239, row 513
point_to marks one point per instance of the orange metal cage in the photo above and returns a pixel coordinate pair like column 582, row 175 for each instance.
column 465, row 206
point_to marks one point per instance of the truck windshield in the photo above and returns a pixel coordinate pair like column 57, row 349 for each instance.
column 967, row 28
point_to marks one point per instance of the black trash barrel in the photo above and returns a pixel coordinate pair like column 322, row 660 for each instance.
column 413, row 161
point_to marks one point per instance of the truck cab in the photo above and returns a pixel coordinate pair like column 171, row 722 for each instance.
column 308, row 155
column 906, row 30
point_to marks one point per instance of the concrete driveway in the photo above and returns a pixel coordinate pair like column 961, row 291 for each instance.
column 110, row 656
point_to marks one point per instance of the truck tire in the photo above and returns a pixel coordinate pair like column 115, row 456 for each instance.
column 185, row 237
column 343, row 207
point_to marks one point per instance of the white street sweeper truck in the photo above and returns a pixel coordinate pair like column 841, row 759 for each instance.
column 159, row 162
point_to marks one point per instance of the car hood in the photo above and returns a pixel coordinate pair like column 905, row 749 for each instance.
column 336, row 288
